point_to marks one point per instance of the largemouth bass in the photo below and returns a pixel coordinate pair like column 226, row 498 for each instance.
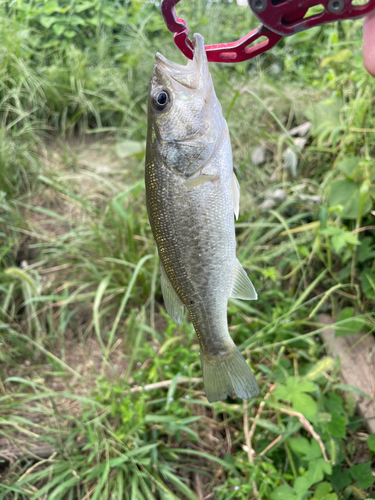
column 192, row 197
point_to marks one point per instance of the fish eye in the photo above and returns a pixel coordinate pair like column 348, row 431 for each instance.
column 161, row 100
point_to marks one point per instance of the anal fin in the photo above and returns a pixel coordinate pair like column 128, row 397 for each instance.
column 173, row 304
column 242, row 286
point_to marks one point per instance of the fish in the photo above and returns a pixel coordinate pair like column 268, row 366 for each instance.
column 192, row 197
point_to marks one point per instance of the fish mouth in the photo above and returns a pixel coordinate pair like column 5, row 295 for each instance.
column 194, row 74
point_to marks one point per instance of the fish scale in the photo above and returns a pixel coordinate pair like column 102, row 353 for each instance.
column 189, row 230
column 189, row 193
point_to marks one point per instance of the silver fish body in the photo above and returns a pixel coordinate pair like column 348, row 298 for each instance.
column 192, row 194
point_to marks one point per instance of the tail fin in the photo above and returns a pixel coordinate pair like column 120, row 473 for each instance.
column 228, row 376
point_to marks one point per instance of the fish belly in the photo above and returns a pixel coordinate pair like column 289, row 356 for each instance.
column 194, row 231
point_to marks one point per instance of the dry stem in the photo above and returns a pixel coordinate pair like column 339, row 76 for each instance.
column 308, row 427
column 271, row 445
column 163, row 384
column 249, row 434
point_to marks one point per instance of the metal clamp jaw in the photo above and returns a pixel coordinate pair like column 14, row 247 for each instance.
column 238, row 51
column 278, row 17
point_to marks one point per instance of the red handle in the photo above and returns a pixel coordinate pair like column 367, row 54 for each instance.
column 287, row 17
column 221, row 52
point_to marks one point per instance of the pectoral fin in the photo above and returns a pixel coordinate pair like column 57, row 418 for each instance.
column 242, row 286
column 201, row 179
column 235, row 196
column 173, row 304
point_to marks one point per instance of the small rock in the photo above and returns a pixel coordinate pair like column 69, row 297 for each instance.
column 279, row 194
column 275, row 69
column 267, row 204
column 310, row 197
column 301, row 130
column 258, row 156
column 300, row 142
column 103, row 169
column 290, row 161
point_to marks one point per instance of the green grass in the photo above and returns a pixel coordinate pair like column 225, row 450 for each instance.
column 95, row 377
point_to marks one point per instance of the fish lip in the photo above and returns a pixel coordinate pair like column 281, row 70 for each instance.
column 198, row 65
column 165, row 64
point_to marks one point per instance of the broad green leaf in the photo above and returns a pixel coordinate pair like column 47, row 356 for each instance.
column 314, row 451
column 346, row 193
column 332, row 230
column 284, row 492
column 282, row 392
column 366, row 251
column 306, row 386
column 371, row 442
column 340, row 478
column 325, row 114
column 76, row 21
column 334, row 403
column 351, row 325
column 304, row 403
column 362, row 475
column 47, row 21
column 295, row 392
column 318, row 468
column 350, row 167
column 59, row 29
column 337, row 425
column 83, row 6
column 295, row 384
column 343, row 238
column 368, row 283
column 323, row 492
column 303, row 483
column 51, row 7
column 70, row 33
column 300, row 445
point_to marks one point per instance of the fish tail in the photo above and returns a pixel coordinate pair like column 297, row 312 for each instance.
column 228, row 376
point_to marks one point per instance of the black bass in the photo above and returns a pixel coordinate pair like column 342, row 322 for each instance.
column 192, row 195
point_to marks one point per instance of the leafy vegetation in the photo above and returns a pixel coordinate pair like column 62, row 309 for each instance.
column 100, row 393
